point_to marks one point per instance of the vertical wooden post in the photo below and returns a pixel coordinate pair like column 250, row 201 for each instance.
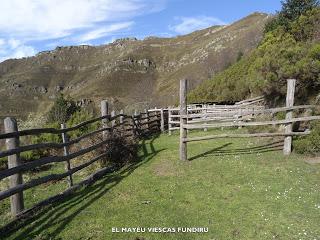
column 121, row 122
column 104, row 112
column 183, row 119
column 169, row 122
column 273, row 118
column 113, row 122
column 121, row 116
column 65, row 139
column 135, row 122
column 162, row 120
column 239, row 117
column 147, row 119
column 287, row 147
column 16, row 201
column 204, row 112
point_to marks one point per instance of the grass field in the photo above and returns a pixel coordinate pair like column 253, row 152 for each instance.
column 237, row 188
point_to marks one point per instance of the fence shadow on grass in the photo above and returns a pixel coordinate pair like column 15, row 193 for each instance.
column 220, row 151
column 57, row 216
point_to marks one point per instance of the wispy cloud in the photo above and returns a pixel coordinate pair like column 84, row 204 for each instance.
column 104, row 31
column 187, row 25
column 14, row 48
column 52, row 20
column 34, row 19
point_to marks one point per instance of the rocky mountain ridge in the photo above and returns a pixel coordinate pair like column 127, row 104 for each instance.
column 128, row 72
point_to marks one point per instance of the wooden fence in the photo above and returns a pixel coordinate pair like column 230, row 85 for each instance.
column 137, row 125
column 199, row 113
column 242, row 114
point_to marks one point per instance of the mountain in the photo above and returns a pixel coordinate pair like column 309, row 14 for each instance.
column 127, row 72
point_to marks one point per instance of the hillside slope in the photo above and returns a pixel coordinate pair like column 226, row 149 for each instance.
column 127, row 71
column 285, row 52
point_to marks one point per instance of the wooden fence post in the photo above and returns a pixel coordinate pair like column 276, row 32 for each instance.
column 16, row 201
column 104, row 111
column 169, row 121
column 162, row 120
column 183, row 119
column 287, row 147
column 204, row 112
column 65, row 139
column 121, row 122
column 135, row 122
column 240, row 116
column 113, row 122
column 121, row 117
column 147, row 119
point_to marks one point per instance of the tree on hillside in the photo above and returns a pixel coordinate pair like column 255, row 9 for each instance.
column 291, row 11
column 62, row 110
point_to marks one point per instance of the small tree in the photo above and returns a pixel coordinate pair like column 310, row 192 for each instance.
column 291, row 11
column 239, row 56
column 62, row 110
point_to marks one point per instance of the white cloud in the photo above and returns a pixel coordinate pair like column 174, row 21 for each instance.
column 104, row 31
column 35, row 22
column 13, row 48
column 48, row 19
column 23, row 51
column 189, row 24
column 14, row 43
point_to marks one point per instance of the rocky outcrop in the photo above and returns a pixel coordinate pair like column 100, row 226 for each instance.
column 58, row 88
column 41, row 89
column 83, row 102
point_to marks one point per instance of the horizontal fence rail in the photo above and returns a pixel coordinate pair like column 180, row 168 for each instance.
column 242, row 124
column 249, row 135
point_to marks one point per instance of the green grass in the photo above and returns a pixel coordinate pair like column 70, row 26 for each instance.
column 238, row 188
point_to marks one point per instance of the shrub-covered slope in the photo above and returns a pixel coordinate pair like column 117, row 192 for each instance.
column 290, row 51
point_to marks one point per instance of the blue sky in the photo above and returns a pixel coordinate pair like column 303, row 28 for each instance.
column 30, row 26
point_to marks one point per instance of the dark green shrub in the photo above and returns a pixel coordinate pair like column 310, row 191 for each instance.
column 62, row 110
column 74, row 119
column 271, row 25
column 291, row 11
column 309, row 144
column 3, row 163
column 79, row 117
column 42, row 138
column 280, row 116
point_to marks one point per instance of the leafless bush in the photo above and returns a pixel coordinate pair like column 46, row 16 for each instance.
column 119, row 149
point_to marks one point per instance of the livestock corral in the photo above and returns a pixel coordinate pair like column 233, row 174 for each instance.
column 245, row 183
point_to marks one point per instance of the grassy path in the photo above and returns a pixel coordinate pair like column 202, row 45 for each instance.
column 239, row 189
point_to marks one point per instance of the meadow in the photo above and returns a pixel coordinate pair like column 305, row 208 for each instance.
column 237, row 188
